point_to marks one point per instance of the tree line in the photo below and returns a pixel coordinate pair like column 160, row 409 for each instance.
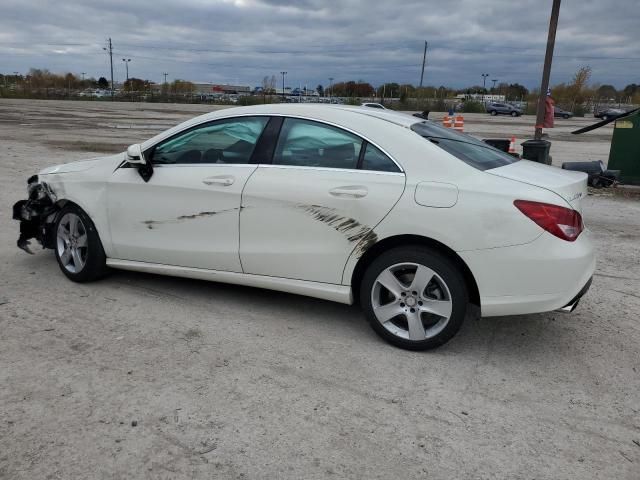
column 575, row 95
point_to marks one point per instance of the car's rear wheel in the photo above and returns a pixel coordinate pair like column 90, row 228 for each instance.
column 493, row 112
column 414, row 297
column 514, row 114
column 605, row 117
column 78, row 248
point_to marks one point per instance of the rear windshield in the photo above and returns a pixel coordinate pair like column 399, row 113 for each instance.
column 464, row 147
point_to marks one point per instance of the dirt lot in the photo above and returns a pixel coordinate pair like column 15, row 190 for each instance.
column 140, row 376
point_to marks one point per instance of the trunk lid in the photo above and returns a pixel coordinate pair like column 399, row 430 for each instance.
column 570, row 185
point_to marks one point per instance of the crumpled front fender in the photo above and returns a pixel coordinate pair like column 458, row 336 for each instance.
column 37, row 215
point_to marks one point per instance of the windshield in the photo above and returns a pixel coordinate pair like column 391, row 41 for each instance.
column 464, row 147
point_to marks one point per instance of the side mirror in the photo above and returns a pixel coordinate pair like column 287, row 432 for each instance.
column 134, row 155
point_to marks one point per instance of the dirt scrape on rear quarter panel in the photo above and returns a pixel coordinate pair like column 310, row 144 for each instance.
column 353, row 230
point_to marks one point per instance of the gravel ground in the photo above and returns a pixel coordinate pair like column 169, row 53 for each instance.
column 141, row 376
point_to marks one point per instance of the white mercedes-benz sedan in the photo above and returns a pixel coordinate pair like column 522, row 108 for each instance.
column 351, row 204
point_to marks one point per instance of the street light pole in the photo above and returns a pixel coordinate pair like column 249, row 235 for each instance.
column 330, row 87
column 283, row 74
column 126, row 64
column 494, row 80
column 484, row 84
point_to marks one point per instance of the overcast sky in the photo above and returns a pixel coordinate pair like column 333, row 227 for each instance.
column 229, row 41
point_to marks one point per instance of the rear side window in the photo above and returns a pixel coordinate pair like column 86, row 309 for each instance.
column 464, row 147
column 374, row 159
column 311, row 144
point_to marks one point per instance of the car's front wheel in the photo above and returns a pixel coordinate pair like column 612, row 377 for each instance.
column 514, row 114
column 493, row 113
column 414, row 297
column 78, row 248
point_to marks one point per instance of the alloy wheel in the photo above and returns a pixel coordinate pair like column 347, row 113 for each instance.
column 411, row 301
column 72, row 243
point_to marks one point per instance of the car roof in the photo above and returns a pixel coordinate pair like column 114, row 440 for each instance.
column 320, row 111
column 365, row 121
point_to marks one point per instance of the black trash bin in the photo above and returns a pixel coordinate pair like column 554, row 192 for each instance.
column 537, row 151
column 499, row 143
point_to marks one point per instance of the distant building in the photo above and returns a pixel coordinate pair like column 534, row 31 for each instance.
column 202, row 88
column 479, row 97
column 213, row 89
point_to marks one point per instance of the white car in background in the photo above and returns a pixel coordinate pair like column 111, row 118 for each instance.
column 374, row 105
column 349, row 204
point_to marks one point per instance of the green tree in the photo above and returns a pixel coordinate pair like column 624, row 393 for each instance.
column 631, row 90
column 135, row 85
column 103, row 83
column 516, row 91
column 607, row 92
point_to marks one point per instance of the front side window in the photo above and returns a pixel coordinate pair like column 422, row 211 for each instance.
column 223, row 141
column 311, row 144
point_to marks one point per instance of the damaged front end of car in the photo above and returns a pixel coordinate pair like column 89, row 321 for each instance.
column 37, row 215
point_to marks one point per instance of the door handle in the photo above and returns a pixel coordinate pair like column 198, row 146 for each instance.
column 224, row 180
column 354, row 191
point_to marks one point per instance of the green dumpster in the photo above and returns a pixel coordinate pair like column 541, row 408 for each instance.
column 625, row 148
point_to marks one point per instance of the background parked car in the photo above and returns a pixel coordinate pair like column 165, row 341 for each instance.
column 609, row 113
column 374, row 105
column 503, row 109
column 559, row 112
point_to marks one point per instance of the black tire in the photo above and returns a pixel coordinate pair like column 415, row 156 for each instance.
column 94, row 266
column 447, row 272
column 514, row 114
column 605, row 117
column 493, row 113
column 565, row 117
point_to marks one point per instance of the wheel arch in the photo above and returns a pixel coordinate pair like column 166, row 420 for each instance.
column 405, row 240
column 60, row 204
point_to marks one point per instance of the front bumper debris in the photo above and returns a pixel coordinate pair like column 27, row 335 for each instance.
column 36, row 215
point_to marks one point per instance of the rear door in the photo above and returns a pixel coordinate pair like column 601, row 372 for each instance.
column 321, row 197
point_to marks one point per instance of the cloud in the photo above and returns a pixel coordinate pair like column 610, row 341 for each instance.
column 244, row 40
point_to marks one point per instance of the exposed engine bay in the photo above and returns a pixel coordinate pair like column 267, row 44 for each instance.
column 36, row 215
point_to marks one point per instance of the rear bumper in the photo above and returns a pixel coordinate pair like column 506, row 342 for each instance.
column 571, row 306
column 544, row 275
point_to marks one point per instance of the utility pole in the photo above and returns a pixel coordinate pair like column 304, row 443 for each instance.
column 109, row 49
column 424, row 59
column 283, row 74
column 330, row 87
column 165, row 76
column 546, row 72
column 484, row 84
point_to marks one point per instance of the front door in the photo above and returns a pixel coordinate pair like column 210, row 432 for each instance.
column 188, row 213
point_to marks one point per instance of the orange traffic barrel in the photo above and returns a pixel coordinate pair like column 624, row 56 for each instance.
column 458, row 124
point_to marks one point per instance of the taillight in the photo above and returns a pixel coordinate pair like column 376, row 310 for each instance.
column 564, row 223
